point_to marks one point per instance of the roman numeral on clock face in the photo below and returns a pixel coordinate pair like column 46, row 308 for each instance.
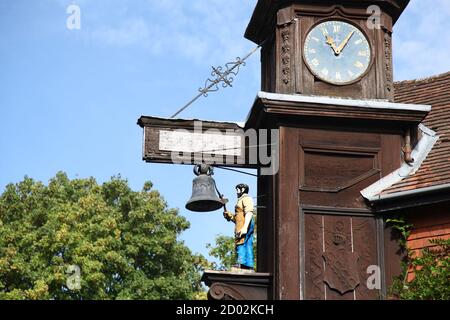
column 359, row 65
column 363, row 53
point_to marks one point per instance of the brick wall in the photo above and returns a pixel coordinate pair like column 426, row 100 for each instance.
column 432, row 223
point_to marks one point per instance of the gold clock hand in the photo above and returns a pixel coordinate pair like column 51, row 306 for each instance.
column 344, row 43
column 330, row 41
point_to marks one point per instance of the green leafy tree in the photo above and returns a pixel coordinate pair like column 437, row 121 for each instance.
column 224, row 250
column 431, row 274
column 123, row 243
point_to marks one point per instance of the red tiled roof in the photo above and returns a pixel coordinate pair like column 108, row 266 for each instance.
column 434, row 91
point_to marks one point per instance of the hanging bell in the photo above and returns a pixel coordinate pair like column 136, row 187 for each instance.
column 204, row 197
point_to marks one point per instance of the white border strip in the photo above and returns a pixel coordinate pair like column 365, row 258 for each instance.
column 420, row 191
column 375, row 104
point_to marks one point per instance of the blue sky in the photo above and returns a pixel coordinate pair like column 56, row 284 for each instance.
column 70, row 99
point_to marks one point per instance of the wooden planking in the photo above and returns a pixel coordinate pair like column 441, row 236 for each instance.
column 307, row 77
column 390, row 160
column 265, row 221
column 265, row 229
column 348, row 198
column 393, row 254
column 287, row 217
column 340, row 138
column 365, row 244
column 347, row 169
column 341, row 146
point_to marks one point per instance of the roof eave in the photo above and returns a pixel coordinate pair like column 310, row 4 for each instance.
column 409, row 193
column 265, row 12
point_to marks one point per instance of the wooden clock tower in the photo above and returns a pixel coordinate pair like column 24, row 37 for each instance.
column 285, row 29
column 327, row 87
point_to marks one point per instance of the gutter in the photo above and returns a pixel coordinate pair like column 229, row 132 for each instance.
column 409, row 193
column 420, row 153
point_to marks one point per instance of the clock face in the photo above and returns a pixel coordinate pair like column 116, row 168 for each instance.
column 337, row 52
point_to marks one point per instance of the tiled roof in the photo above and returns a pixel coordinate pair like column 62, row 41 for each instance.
column 434, row 91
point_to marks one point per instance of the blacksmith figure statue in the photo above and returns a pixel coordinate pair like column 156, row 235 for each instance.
column 244, row 227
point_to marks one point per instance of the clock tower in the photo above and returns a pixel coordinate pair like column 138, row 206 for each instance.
column 336, row 132
column 327, row 87
column 327, row 47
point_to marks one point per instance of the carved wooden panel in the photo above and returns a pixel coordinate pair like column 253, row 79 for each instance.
column 337, row 251
column 336, row 165
column 389, row 72
column 341, row 274
column 364, row 234
column 237, row 286
column 314, row 264
column 335, row 169
column 286, row 52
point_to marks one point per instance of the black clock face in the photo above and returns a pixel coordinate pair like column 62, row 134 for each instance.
column 337, row 52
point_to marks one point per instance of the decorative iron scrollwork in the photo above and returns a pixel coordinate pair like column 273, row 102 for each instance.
column 220, row 76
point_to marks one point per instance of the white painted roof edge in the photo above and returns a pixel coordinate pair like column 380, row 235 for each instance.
column 376, row 104
column 420, row 153
column 414, row 192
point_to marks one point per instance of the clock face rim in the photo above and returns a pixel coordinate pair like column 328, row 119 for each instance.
column 339, row 19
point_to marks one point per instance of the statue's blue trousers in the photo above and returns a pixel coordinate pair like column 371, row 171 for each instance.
column 245, row 250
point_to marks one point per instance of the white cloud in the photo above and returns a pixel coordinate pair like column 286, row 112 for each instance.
column 130, row 32
column 422, row 40
column 203, row 32
column 211, row 32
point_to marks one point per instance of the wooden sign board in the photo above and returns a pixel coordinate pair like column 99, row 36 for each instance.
column 190, row 142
